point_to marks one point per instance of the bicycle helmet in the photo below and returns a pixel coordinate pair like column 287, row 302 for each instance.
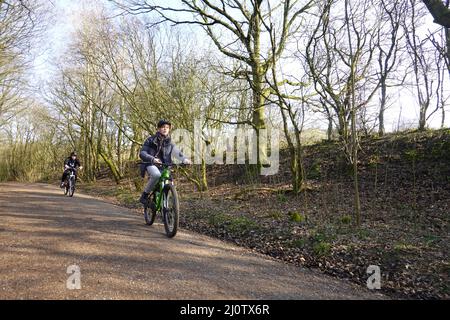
column 163, row 122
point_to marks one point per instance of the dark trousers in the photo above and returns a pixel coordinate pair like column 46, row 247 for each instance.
column 66, row 173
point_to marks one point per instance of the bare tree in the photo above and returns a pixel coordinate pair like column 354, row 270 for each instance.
column 20, row 25
column 441, row 76
column 440, row 10
column 235, row 27
column 423, row 63
column 388, row 42
column 339, row 54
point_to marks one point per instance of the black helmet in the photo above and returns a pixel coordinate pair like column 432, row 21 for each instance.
column 163, row 122
column 73, row 154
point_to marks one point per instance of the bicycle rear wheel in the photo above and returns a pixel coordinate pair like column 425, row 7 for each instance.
column 170, row 210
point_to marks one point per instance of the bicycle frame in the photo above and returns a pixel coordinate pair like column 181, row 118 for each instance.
column 71, row 177
column 70, row 182
column 163, row 181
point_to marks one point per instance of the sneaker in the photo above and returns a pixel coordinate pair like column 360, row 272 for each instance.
column 144, row 198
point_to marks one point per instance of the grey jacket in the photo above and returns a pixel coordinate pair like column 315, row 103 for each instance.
column 158, row 144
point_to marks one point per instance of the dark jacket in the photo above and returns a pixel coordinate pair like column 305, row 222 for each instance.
column 72, row 163
column 159, row 147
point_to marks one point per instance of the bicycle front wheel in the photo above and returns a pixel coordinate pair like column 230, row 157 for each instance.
column 71, row 188
column 171, row 210
column 149, row 212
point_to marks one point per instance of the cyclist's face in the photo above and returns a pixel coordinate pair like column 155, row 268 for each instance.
column 164, row 130
column 74, row 157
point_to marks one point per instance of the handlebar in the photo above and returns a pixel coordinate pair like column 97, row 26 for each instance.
column 72, row 168
column 163, row 164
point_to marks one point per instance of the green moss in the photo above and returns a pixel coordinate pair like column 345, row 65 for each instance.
column 233, row 224
column 322, row 248
column 242, row 224
column 430, row 240
column 363, row 234
column 346, row 219
column 218, row 220
column 401, row 246
column 282, row 197
column 297, row 217
column 275, row 215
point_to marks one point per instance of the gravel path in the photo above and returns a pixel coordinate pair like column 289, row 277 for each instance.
column 42, row 233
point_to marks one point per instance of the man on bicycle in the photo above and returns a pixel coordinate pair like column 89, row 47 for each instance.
column 71, row 163
column 158, row 149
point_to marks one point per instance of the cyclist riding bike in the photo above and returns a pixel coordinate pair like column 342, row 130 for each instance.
column 158, row 149
column 71, row 163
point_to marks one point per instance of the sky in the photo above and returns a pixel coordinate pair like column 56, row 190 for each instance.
column 67, row 17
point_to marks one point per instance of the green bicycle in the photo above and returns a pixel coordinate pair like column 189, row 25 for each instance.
column 164, row 200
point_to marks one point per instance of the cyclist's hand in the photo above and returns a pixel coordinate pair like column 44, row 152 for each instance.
column 81, row 167
column 187, row 161
column 157, row 161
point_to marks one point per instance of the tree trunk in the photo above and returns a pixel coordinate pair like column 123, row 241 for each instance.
column 258, row 120
column 120, row 137
column 114, row 170
column 330, row 129
column 204, row 180
column 447, row 37
column 343, row 125
column 422, row 118
column 381, row 130
column 355, row 169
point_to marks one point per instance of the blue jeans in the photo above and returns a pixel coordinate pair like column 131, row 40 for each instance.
column 153, row 177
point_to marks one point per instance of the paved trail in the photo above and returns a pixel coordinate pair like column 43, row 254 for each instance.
column 42, row 233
